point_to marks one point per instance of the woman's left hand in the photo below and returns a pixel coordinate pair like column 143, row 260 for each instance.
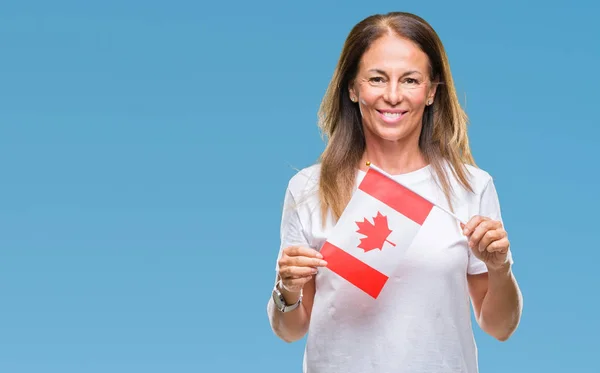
column 488, row 241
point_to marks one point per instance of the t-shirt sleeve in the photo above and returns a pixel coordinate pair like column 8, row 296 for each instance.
column 291, row 230
column 489, row 206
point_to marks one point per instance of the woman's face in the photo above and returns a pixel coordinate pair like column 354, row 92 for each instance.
column 392, row 88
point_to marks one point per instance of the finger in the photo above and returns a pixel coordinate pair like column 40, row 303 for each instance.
column 290, row 253
column 292, row 271
column 302, row 251
column 480, row 230
column 297, row 277
column 296, row 283
column 301, row 257
column 499, row 246
column 491, row 236
column 303, row 261
column 472, row 224
column 297, row 272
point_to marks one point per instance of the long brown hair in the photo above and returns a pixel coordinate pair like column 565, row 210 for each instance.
column 443, row 135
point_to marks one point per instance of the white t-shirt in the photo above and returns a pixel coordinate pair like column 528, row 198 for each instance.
column 422, row 322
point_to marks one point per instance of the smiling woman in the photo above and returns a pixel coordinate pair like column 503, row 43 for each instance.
column 394, row 86
column 392, row 102
column 394, row 63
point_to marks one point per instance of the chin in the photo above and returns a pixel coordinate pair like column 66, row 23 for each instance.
column 390, row 134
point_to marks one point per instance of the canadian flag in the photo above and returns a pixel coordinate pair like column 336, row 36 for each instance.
column 375, row 229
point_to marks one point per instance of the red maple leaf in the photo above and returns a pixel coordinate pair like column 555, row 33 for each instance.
column 377, row 233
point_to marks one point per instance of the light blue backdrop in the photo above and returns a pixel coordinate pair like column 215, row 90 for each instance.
column 145, row 147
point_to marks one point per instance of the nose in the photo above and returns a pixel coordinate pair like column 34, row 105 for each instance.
column 392, row 94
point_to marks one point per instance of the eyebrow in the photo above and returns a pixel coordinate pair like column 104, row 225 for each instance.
column 405, row 74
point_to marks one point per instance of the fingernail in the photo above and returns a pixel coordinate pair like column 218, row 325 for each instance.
column 323, row 263
column 319, row 256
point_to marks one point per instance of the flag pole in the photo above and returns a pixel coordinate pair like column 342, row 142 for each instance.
column 371, row 165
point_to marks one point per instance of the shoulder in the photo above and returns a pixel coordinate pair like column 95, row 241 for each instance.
column 305, row 181
column 481, row 188
column 484, row 197
column 478, row 178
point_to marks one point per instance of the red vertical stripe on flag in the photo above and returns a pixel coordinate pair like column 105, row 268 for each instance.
column 401, row 199
column 366, row 278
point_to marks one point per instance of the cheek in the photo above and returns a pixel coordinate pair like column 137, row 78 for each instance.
column 416, row 97
column 369, row 97
column 367, row 103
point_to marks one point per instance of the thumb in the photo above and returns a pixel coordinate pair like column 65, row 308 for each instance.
column 462, row 227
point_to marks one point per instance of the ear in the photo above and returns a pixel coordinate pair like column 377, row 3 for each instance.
column 431, row 93
column 432, row 90
column 352, row 92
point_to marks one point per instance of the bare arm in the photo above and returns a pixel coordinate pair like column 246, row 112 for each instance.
column 497, row 301
column 297, row 270
column 293, row 326
column 496, row 297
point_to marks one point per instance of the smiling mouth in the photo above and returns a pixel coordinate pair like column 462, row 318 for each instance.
column 391, row 116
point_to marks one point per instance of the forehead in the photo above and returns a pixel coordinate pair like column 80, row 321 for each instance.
column 392, row 52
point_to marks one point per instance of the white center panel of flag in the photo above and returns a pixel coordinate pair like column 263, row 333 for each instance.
column 347, row 233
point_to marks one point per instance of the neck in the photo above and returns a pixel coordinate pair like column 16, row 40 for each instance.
column 393, row 157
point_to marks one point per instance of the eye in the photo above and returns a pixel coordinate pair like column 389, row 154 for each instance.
column 376, row 80
column 411, row 83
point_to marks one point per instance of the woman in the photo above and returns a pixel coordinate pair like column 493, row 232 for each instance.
column 392, row 102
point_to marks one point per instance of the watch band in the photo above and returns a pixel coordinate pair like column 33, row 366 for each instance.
column 280, row 302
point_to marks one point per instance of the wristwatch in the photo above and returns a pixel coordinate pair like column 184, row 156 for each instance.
column 280, row 302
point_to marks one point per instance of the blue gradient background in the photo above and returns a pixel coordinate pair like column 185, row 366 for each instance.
column 145, row 147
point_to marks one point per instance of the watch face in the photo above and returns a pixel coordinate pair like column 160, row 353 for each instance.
column 278, row 299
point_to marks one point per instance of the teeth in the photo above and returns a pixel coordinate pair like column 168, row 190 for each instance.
column 392, row 115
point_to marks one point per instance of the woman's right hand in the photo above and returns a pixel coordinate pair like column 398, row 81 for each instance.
column 297, row 266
